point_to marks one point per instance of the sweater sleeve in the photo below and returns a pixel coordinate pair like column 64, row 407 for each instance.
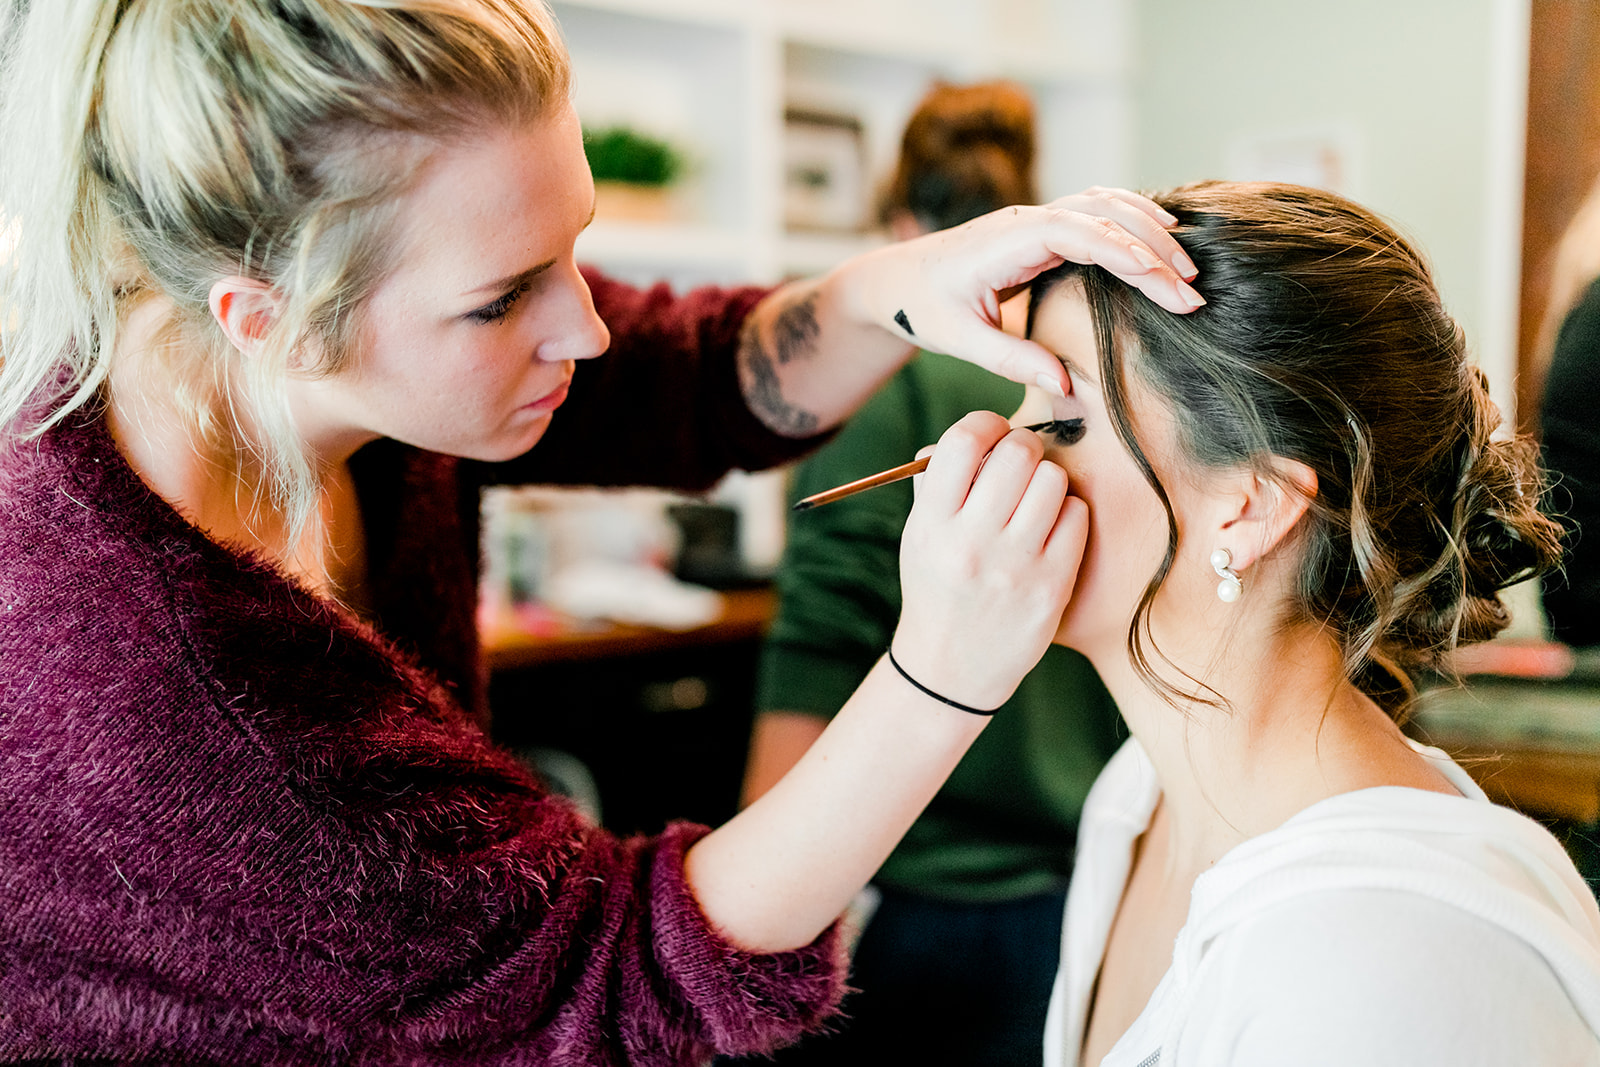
column 305, row 861
column 1381, row 978
column 663, row 405
column 476, row 911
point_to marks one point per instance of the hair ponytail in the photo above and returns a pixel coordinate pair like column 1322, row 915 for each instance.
column 967, row 150
column 58, row 300
column 1498, row 531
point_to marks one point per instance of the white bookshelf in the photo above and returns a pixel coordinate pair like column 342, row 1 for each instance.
column 715, row 77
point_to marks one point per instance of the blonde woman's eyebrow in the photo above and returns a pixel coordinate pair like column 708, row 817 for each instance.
column 512, row 281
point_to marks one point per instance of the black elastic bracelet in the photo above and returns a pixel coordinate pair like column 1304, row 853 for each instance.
column 941, row 699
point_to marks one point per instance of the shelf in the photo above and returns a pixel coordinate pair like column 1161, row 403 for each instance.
column 814, row 253
column 1038, row 67
column 1042, row 41
column 1035, row 40
column 923, row 41
column 729, row 14
column 715, row 77
column 643, row 243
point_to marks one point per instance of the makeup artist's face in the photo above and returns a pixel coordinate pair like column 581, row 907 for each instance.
column 468, row 345
column 1127, row 525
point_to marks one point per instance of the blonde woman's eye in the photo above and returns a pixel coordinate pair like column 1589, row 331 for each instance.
column 497, row 311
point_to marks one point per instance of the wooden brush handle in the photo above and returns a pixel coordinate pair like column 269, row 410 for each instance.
column 871, row 481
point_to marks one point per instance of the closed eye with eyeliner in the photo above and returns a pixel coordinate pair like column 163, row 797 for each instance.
column 1063, row 431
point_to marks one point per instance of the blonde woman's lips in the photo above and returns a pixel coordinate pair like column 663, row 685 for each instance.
column 551, row 400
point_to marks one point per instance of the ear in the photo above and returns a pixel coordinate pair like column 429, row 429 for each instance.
column 1265, row 510
column 245, row 310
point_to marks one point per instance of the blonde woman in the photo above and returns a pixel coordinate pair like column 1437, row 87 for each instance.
column 291, row 279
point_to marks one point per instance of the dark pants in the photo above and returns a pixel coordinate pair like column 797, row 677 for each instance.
column 944, row 983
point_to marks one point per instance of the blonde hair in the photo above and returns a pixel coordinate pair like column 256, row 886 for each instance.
column 157, row 146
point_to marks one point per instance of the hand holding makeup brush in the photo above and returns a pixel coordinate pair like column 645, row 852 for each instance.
column 988, row 560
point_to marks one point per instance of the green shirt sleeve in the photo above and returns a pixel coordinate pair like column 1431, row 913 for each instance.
column 839, row 583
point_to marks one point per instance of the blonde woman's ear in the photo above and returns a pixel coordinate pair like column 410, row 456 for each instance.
column 245, row 310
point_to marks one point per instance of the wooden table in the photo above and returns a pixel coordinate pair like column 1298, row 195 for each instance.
column 1530, row 736
column 1536, row 782
column 660, row 718
column 509, row 646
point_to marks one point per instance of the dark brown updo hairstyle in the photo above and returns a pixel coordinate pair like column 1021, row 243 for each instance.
column 967, row 150
column 1323, row 340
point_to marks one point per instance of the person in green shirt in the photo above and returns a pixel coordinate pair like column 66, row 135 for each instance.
column 956, row 963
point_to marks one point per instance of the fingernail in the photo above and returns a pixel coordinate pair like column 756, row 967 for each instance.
column 1051, row 385
column 1184, row 266
column 1167, row 217
column 1192, row 298
column 1147, row 259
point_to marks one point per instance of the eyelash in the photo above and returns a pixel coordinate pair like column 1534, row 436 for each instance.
column 1066, row 431
column 497, row 311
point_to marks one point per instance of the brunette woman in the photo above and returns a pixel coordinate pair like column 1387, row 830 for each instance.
column 1296, row 501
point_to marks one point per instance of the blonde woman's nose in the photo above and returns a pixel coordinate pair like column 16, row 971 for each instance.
column 578, row 332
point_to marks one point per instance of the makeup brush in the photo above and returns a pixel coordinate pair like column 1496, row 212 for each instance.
column 1068, row 430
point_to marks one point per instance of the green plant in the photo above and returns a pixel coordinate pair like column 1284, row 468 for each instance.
column 619, row 154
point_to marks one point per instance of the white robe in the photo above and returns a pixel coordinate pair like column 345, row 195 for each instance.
column 1384, row 926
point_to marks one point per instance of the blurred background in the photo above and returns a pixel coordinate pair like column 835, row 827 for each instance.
column 785, row 114
column 748, row 140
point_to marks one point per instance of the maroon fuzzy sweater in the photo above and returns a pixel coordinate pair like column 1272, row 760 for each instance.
column 240, row 826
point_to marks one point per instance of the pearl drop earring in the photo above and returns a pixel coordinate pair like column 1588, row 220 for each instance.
column 1231, row 587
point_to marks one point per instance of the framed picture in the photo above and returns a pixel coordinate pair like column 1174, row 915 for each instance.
column 824, row 172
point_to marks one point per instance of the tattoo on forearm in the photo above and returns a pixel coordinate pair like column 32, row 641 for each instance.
column 904, row 323
column 795, row 331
